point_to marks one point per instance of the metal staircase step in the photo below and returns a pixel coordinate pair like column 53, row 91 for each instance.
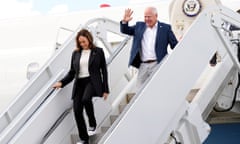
column 92, row 139
column 104, row 129
column 191, row 95
column 113, row 118
column 223, row 117
column 125, row 101
column 130, row 96
column 74, row 138
column 121, row 107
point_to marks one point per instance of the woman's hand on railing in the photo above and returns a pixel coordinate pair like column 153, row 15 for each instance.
column 105, row 95
column 57, row 85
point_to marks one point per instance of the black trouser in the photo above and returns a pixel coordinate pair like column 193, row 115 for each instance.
column 83, row 99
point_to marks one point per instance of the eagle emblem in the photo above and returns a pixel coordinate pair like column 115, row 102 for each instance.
column 191, row 7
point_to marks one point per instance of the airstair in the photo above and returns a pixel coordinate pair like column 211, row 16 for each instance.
column 40, row 113
column 169, row 108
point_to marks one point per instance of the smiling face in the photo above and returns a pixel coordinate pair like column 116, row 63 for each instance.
column 83, row 41
column 150, row 16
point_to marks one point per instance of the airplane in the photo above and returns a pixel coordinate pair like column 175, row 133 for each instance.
column 48, row 31
column 42, row 34
column 37, row 38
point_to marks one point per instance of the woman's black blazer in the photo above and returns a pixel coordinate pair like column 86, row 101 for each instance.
column 97, row 68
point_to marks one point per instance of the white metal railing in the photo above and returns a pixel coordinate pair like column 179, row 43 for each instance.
column 62, row 35
column 28, row 110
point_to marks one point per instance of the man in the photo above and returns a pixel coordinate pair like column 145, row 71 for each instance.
column 150, row 42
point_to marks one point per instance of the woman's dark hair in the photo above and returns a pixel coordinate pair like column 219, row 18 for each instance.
column 88, row 35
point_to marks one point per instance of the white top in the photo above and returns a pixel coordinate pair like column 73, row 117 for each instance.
column 148, row 44
column 83, row 72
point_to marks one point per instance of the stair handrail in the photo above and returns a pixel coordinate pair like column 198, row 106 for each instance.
column 56, row 124
column 28, row 111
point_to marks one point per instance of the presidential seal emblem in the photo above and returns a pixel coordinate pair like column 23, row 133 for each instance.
column 191, row 7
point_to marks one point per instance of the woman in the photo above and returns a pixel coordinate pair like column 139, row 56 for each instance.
column 88, row 68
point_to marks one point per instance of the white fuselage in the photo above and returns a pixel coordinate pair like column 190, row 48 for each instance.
column 32, row 39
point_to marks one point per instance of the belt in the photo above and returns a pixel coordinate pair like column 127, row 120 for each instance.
column 149, row 61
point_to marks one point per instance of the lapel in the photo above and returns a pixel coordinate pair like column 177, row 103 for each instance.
column 158, row 37
column 92, row 56
column 142, row 30
column 78, row 56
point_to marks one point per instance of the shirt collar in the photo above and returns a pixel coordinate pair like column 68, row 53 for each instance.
column 155, row 26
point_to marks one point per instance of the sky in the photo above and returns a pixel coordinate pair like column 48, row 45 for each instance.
column 18, row 8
